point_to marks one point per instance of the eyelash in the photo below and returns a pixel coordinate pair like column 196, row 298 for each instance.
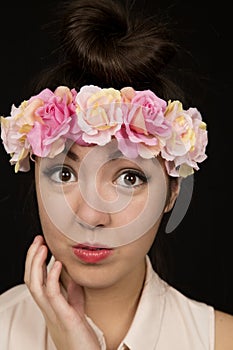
column 139, row 175
column 57, row 172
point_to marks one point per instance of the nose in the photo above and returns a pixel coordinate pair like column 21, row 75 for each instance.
column 89, row 216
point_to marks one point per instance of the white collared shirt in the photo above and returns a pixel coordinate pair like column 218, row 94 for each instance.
column 165, row 319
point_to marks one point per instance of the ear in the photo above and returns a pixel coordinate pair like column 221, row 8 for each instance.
column 174, row 191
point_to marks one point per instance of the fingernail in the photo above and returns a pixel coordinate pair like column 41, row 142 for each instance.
column 36, row 239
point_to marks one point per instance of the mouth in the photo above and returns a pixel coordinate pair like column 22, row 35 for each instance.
column 91, row 253
column 91, row 247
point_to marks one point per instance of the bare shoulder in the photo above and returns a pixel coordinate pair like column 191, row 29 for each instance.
column 223, row 331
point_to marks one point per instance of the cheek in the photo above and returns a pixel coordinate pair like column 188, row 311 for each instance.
column 137, row 210
column 56, row 242
column 139, row 248
column 49, row 228
column 141, row 216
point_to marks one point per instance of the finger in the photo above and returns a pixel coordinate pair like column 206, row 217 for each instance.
column 60, row 305
column 63, row 317
column 38, row 241
column 37, row 277
column 37, row 283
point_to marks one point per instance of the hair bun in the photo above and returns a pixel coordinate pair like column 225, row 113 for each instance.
column 102, row 38
column 91, row 24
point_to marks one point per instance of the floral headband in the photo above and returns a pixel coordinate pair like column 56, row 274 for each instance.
column 142, row 123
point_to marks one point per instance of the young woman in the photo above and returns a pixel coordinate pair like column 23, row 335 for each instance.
column 109, row 143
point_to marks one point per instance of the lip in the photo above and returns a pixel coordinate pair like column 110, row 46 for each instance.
column 91, row 254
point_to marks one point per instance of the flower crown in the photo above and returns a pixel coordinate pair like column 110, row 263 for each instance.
column 142, row 123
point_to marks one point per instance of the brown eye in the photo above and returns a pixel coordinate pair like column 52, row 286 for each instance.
column 131, row 179
column 65, row 175
column 61, row 174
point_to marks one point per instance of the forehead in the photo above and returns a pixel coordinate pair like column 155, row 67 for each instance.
column 110, row 152
column 107, row 152
column 94, row 157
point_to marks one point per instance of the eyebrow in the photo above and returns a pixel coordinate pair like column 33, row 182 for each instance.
column 71, row 155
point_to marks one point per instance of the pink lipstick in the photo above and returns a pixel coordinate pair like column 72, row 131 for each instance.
column 91, row 254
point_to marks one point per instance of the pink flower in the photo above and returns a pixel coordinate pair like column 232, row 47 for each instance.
column 187, row 144
column 48, row 135
column 14, row 130
column 144, row 122
column 99, row 113
column 38, row 126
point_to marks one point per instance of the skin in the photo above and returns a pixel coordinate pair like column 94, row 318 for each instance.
column 108, row 291
column 223, row 331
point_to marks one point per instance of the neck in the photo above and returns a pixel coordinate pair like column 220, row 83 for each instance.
column 112, row 309
column 124, row 291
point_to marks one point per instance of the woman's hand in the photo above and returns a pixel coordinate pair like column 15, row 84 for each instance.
column 64, row 317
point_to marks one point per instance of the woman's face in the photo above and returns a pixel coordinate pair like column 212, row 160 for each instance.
column 100, row 211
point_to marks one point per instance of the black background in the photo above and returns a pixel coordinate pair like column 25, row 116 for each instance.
column 202, row 243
